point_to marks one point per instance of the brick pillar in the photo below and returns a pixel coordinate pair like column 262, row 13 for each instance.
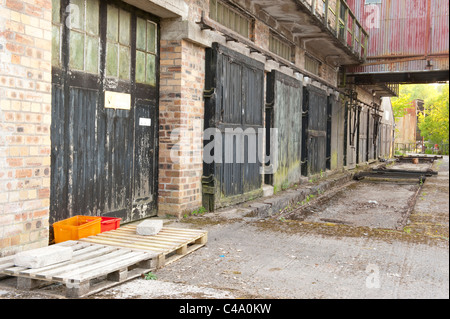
column 25, row 118
column 181, row 127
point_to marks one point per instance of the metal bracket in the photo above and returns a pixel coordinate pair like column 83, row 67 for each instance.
column 203, row 25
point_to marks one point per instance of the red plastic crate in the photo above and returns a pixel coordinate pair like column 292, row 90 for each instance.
column 110, row 223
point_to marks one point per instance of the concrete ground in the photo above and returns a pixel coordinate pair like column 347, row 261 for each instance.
column 259, row 250
column 273, row 257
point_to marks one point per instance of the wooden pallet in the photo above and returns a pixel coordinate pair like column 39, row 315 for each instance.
column 93, row 268
column 107, row 259
column 170, row 243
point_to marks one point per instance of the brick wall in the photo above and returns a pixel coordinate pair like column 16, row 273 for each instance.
column 181, row 127
column 181, row 111
column 25, row 118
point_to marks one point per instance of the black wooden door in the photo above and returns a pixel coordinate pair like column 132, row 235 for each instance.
column 370, row 144
column 104, row 110
column 376, row 120
column 315, row 128
column 234, row 105
column 330, row 102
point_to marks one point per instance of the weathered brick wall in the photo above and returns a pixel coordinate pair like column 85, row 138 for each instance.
column 261, row 36
column 25, row 118
column 181, row 111
column 181, row 127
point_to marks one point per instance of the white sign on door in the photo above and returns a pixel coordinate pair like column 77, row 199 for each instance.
column 145, row 121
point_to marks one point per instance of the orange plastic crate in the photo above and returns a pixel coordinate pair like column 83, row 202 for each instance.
column 110, row 223
column 76, row 227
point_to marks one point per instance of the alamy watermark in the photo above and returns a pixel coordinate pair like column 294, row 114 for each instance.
column 373, row 16
column 231, row 146
column 73, row 17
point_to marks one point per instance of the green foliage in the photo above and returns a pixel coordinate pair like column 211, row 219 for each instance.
column 308, row 199
column 434, row 123
column 285, row 185
column 401, row 104
column 150, row 276
column 200, row 211
column 409, row 93
column 275, row 189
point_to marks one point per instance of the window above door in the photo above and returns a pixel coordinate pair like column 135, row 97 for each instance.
column 146, row 47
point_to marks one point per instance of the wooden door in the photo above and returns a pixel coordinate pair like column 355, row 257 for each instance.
column 104, row 110
column 315, row 122
column 284, row 98
column 234, row 102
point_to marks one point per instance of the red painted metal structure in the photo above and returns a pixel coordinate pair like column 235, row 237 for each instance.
column 408, row 40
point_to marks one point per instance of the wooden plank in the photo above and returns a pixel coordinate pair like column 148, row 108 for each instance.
column 171, row 229
column 202, row 240
column 91, row 261
column 100, row 267
column 109, row 255
column 173, row 237
column 182, row 250
column 6, row 262
column 122, row 242
column 70, row 243
column 22, row 271
column 153, row 241
column 13, row 270
column 128, row 233
column 165, row 238
column 137, row 246
column 163, row 233
column 183, row 230
column 108, row 267
column 25, row 283
column 176, row 235
column 180, row 246
column 76, row 267
column 90, row 251
column 50, row 271
column 132, row 236
column 8, row 267
column 88, row 289
column 156, row 240
column 177, row 256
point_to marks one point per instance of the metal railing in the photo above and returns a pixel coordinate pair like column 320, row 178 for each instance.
column 394, row 88
column 338, row 18
column 421, row 148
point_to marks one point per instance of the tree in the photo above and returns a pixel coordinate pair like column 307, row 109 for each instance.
column 401, row 104
column 411, row 92
column 434, row 123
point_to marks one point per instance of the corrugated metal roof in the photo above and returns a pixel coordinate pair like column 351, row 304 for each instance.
column 437, row 64
column 405, row 27
column 410, row 30
column 440, row 26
